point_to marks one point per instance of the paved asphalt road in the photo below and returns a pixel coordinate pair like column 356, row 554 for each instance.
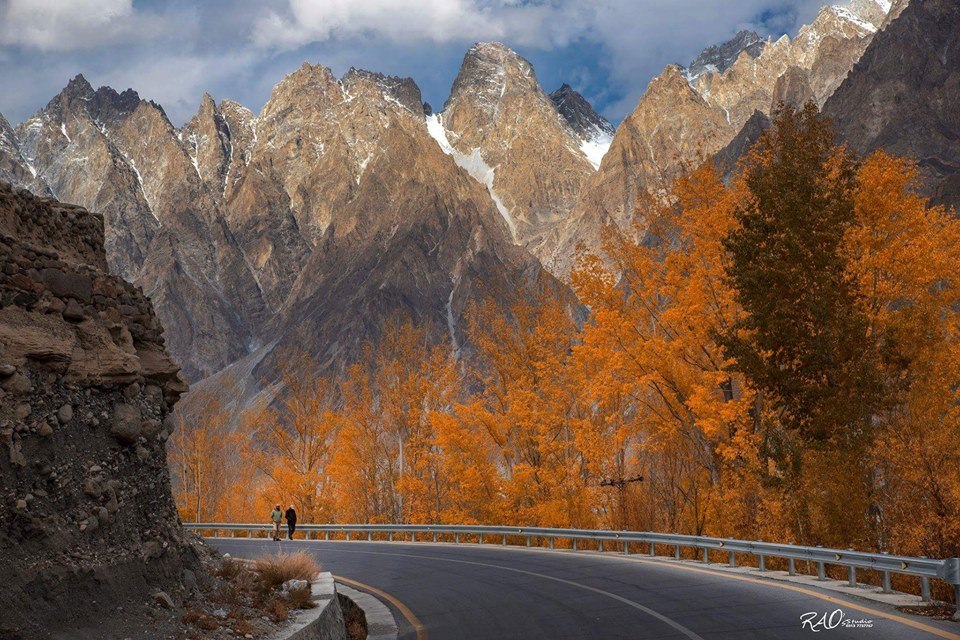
column 491, row 592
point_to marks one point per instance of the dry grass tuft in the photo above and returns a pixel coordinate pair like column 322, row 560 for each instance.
column 273, row 571
column 201, row 620
column 277, row 608
column 301, row 598
column 229, row 569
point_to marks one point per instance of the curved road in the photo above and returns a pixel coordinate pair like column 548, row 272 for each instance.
column 490, row 592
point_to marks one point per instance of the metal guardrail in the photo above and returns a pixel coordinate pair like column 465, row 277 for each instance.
column 925, row 569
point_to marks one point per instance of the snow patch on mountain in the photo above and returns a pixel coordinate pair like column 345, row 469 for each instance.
column 473, row 164
column 849, row 15
column 594, row 149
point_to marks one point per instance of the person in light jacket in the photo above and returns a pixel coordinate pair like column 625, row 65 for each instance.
column 276, row 516
column 291, row 516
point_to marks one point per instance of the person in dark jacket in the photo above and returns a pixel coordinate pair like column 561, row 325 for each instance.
column 291, row 516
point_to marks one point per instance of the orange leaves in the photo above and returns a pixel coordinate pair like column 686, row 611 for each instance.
column 549, row 400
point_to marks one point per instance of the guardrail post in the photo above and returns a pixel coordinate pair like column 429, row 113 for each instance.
column 600, row 545
column 413, row 536
column 852, row 577
column 326, row 535
column 676, row 552
column 706, row 556
column 626, row 548
column 886, row 582
column 732, row 559
column 924, row 589
column 821, row 571
column 574, row 544
column 369, row 536
column 481, row 539
column 504, row 539
column 528, row 541
column 233, row 533
column 793, row 567
column 308, row 534
column 348, row 535
column 551, row 542
column 391, row 536
column 653, row 550
column 763, row 562
column 434, row 536
column 456, row 538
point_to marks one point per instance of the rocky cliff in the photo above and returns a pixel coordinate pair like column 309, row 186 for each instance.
column 88, row 526
column 902, row 95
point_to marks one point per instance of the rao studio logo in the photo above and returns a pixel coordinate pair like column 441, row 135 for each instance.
column 817, row 622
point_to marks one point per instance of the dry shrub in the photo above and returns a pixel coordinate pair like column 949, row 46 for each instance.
column 243, row 627
column 201, row 620
column 229, row 569
column 275, row 570
column 277, row 608
column 301, row 598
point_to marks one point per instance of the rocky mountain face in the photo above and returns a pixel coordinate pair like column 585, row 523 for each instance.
column 902, row 95
column 86, row 387
column 14, row 168
column 346, row 201
column 256, row 235
column 689, row 114
column 501, row 126
column 384, row 222
column 595, row 131
column 119, row 155
column 720, row 57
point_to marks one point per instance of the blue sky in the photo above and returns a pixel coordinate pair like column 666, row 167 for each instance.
column 174, row 51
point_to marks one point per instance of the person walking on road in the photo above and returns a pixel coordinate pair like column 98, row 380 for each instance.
column 276, row 516
column 291, row 516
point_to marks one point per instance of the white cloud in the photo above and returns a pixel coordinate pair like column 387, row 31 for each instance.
column 65, row 25
column 176, row 81
column 293, row 23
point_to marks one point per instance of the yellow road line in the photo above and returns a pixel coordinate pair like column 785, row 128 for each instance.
column 792, row 587
column 404, row 609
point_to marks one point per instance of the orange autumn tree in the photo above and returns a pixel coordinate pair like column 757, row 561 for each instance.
column 651, row 354
column 525, row 408
column 388, row 464
column 206, row 461
column 290, row 443
column 903, row 255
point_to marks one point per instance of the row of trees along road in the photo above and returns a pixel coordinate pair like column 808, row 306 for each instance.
column 777, row 353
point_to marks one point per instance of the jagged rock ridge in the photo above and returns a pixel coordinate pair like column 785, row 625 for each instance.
column 500, row 124
column 719, row 58
column 690, row 114
column 165, row 229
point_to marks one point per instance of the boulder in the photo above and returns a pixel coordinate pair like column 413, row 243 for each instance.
column 294, row 585
column 74, row 311
column 65, row 414
column 67, row 284
column 17, row 384
column 164, row 600
column 126, row 424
